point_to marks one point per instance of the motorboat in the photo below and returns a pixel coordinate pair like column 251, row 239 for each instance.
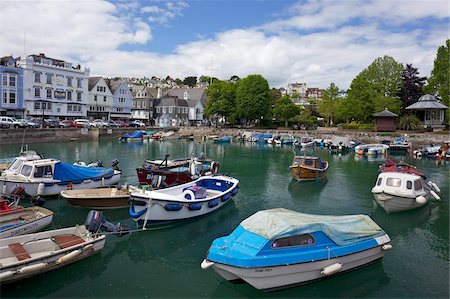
column 167, row 173
column 135, row 136
column 401, row 166
column 32, row 254
column 339, row 143
column 197, row 198
column 400, row 144
column 223, row 139
column 261, row 137
column 308, row 168
column 50, row 176
column 279, row 248
column 305, row 142
column 399, row 191
column 428, row 151
column 371, row 149
column 97, row 198
column 287, row 139
column 24, row 221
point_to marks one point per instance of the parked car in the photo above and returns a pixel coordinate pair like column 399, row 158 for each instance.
column 113, row 124
column 29, row 123
column 11, row 122
column 84, row 122
column 121, row 123
column 100, row 123
column 137, row 123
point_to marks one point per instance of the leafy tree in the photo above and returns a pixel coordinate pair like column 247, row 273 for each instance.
column 285, row 109
column 327, row 107
column 390, row 103
column 252, row 97
column 221, row 99
column 178, row 81
column 412, row 86
column 275, row 95
column 207, row 79
column 439, row 81
column 190, row 81
column 382, row 78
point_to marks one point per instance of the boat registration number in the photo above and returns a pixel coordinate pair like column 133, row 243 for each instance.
column 263, row 270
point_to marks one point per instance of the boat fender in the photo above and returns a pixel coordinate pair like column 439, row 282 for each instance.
column 226, row 197
column 386, row 247
column 4, row 189
column 214, row 167
column 157, row 181
column 6, row 275
column 434, row 186
column 135, row 214
column 437, row 197
column 88, row 247
column 194, row 206
column 32, row 268
column 40, row 189
column 173, row 207
column 213, row 203
column 331, row 269
column 70, row 256
column 188, row 194
column 206, row 264
column 421, row 200
column 234, row 191
column 193, row 169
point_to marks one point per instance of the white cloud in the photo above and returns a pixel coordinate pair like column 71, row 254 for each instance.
column 166, row 12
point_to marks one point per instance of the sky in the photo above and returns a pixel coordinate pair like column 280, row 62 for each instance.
column 317, row 42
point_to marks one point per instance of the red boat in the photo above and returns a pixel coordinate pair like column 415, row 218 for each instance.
column 391, row 166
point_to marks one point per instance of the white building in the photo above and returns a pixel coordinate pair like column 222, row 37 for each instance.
column 297, row 88
column 53, row 88
column 100, row 99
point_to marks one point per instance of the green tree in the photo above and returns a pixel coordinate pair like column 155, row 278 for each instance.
column 285, row 109
column 412, row 86
column 221, row 99
column 207, row 79
column 439, row 81
column 252, row 97
column 327, row 107
column 190, row 81
column 390, row 103
column 382, row 78
column 178, row 81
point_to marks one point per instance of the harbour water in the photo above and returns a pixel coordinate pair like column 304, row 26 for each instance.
column 165, row 261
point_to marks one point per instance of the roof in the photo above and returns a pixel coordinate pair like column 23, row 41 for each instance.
column 427, row 101
column 278, row 223
column 197, row 94
column 385, row 113
column 170, row 101
column 92, row 82
column 114, row 84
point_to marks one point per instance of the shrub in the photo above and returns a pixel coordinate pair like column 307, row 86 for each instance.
column 409, row 122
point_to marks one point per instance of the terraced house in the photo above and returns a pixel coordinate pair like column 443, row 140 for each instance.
column 122, row 99
column 11, row 88
column 100, row 99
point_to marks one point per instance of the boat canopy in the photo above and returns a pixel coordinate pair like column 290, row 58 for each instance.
column 68, row 172
column 135, row 134
column 278, row 223
column 344, row 140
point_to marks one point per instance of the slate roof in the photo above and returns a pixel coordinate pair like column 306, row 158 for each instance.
column 427, row 102
column 113, row 84
column 92, row 82
column 385, row 113
column 170, row 101
column 197, row 94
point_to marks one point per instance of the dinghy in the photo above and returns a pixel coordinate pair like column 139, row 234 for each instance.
column 24, row 221
column 279, row 248
column 197, row 198
column 371, row 149
column 98, row 198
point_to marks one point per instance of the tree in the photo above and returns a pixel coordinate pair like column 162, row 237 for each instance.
column 207, row 79
column 252, row 97
column 327, row 107
column 221, row 99
column 382, row 78
column 275, row 95
column 285, row 109
column 190, row 81
column 412, row 86
column 390, row 103
column 178, row 81
column 438, row 83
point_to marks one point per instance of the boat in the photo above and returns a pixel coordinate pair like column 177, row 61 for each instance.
column 287, row 139
column 279, row 248
column 223, row 139
column 305, row 142
column 339, row 143
column 400, row 144
column 97, row 198
column 371, row 149
column 428, row 151
column 167, row 173
column 261, row 137
column 401, row 166
column 197, row 198
column 24, row 221
column 135, row 136
column 307, row 168
column 28, row 255
column 400, row 191
column 50, row 176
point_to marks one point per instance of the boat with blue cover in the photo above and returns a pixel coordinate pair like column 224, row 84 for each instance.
column 193, row 199
column 279, row 248
column 135, row 136
column 223, row 139
column 41, row 177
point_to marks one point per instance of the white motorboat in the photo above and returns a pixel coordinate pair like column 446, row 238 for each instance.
column 399, row 191
column 24, row 221
column 279, row 248
column 193, row 199
column 41, row 177
column 371, row 149
column 339, row 143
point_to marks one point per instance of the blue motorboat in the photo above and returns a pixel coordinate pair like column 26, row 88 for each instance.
column 280, row 248
column 135, row 136
column 223, row 139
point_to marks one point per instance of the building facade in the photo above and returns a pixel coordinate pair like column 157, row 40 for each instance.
column 53, row 88
column 122, row 99
column 100, row 99
column 11, row 88
column 297, row 88
column 196, row 99
column 171, row 111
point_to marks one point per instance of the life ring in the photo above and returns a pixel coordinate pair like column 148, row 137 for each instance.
column 214, row 167
column 69, row 186
column 188, row 194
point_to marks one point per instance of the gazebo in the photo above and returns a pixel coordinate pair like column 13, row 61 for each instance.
column 385, row 121
column 430, row 110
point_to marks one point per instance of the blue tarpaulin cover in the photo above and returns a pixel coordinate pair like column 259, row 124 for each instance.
column 68, row 172
column 135, row 134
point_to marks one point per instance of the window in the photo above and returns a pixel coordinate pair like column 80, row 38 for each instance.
column 43, row 171
column 49, row 93
column 5, row 97
column 69, row 95
column 12, row 80
column 37, row 77
column 393, row 182
column 37, row 92
column 79, row 81
column 104, row 98
column 379, row 181
column 26, row 170
column 5, row 80
column 144, row 104
column 417, row 185
column 164, row 110
column 69, row 108
column 408, row 185
column 79, row 96
column 12, row 97
column 49, row 78
column 133, row 104
column 69, row 81
column 95, row 98
column 301, row 240
column 309, row 162
column 170, row 109
column 139, row 104
column 37, row 105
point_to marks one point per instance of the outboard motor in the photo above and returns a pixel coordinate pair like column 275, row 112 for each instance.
column 95, row 222
column 114, row 164
column 38, row 201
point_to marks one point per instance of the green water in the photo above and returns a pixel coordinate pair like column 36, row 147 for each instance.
column 165, row 262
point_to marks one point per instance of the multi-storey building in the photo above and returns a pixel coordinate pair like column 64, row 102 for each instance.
column 297, row 88
column 122, row 99
column 11, row 88
column 53, row 88
column 171, row 111
column 142, row 107
column 100, row 99
column 196, row 99
column 314, row 93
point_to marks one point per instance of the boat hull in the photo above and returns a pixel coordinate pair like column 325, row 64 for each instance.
column 303, row 174
column 392, row 203
column 284, row 276
column 24, row 226
column 100, row 198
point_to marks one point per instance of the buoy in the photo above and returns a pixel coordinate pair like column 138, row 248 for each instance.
column 8, row 274
column 206, row 264
column 435, row 195
column 32, row 268
column 40, row 190
column 386, row 247
column 421, row 200
column 331, row 269
column 69, row 256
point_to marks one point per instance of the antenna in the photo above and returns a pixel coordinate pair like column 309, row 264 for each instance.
column 24, row 43
column 211, row 69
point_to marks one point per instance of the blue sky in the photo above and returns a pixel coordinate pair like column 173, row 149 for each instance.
column 313, row 41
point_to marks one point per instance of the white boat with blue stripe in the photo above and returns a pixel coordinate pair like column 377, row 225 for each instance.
column 193, row 199
column 279, row 248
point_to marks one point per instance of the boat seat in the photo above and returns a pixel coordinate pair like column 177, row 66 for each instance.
column 65, row 241
column 20, row 252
